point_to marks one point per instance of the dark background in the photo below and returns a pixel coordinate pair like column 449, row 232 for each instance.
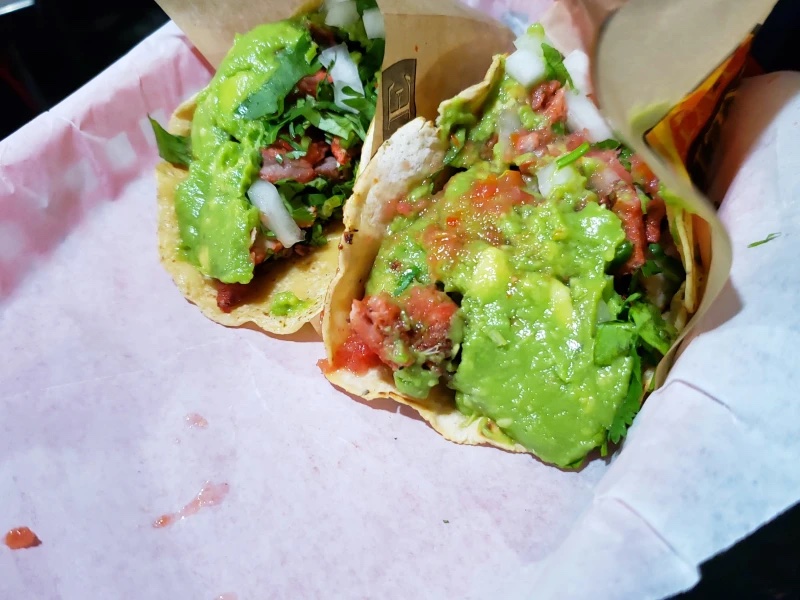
column 50, row 49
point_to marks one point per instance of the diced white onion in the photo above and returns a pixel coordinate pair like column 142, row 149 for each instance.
column 551, row 178
column 274, row 215
column 373, row 23
column 577, row 64
column 532, row 42
column 508, row 123
column 544, row 177
column 342, row 14
column 583, row 114
column 526, row 66
column 344, row 73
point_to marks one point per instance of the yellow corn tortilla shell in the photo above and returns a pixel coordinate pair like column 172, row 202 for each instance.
column 412, row 154
column 308, row 277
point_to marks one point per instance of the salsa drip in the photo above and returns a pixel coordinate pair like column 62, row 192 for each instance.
column 21, row 538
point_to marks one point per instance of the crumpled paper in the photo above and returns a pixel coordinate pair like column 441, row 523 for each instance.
column 103, row 361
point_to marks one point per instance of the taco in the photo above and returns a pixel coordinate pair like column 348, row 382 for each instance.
column 513, row 272
column 259, row 164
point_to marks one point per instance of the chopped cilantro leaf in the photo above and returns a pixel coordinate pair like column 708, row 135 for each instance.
column 652, row 328
column 622, row 254
column 293, row 66
column 407, row 279
column 555, row 66
column 650, row 268
column 625, row 157
column 364, row 105
column 630, row 405
column 172, row 148
column 613, row 340
column 609, row 144
column 559, row 128
column 767, row 239
column 317, row 236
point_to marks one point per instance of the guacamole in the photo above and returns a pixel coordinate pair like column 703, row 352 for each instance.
column 289, row 105
column 524, row 283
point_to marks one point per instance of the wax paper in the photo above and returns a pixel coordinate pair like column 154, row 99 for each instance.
column 103, row 361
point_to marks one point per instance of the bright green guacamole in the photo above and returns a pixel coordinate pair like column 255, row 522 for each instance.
column 525, row 328
column 524, row 256
column 278, row 110
column 215, row 218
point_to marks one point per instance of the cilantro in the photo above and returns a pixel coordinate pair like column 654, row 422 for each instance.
column 659, row 263
column 613, row 341
column 651, row 327
column 361, row 104
column 363, row 5
column 372, row 60
column 622, row 254
column 625, row 157
column 293, row 66
column 609, row 144
column 650, row 268
column 555, row 68
column 407, row 279
column 318, row 236
column 630, row 405
column 172, row 148
column 445, row 521
column 767, row 239
column 559, row 128
column 617, row 304
column 571, row 157
column 303, row 217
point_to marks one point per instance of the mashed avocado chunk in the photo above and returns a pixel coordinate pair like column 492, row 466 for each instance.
column 287, row 303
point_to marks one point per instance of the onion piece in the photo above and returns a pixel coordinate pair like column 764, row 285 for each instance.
column 583, row 114
column 527, row 67
column 552, row 178
column 274, row 215
column 342, row 14
column 577, row 64
column 507, row 123
column 373, row 23
column 532, row 42
column 344, row 73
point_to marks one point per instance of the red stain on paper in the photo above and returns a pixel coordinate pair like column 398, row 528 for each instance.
column 211, row 494
column 21, row 538
column 195, row 420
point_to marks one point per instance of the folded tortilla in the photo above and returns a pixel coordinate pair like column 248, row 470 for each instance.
column 412, row 155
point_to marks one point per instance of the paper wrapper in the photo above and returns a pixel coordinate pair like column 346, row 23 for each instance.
column 328, row 497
